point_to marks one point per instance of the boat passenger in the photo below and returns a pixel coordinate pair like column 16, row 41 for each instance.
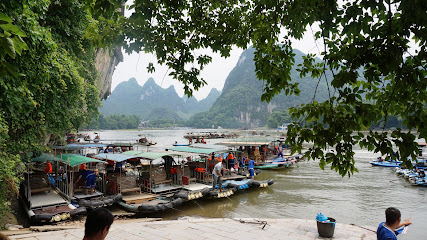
column 280, row 153
column 98, row 223
column 388, row 230
column 89, row 177
column 251, row 170
column 48, row 168
column 257, row 155
column 230, row 160
column 217, row 174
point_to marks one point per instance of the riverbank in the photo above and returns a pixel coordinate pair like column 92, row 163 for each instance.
column 209, row 228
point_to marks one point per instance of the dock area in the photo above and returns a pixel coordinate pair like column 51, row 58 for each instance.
column 210, row 228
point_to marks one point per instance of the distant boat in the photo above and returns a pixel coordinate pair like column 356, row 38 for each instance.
column 283, row 127
column 382, row 163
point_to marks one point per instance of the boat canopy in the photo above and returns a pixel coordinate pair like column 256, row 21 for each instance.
column 132, row 153
column 197, row 150
column 156, row 155
column 208, row 146
column 256, row 142
column 121, row 144
column 114, row 157
column 75, row 159
column 46, row 157
column 87, row 145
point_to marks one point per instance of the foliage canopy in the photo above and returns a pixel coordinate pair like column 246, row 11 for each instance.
column 47, row 74
column 365, row 46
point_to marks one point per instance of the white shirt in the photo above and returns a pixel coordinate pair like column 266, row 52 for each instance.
column 218, row 167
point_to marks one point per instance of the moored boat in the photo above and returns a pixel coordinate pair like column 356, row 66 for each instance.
column 383, row 163
column 40, row 196
column 78, row 191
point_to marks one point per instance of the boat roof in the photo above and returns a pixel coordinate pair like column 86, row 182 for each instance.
column 247, row 142
column 117, row 157
column 77, row 146
column 121, row 144
column 75, row 159
column 197, row 150
column 156, row 155
column 44, row 157
column 208, row 146
column 133, row 152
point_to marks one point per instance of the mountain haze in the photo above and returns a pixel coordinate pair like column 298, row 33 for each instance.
column 150, row 101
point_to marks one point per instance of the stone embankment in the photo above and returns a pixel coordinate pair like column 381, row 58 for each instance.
column 215, row 229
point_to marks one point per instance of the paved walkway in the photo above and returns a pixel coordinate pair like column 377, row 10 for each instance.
column 213, row 228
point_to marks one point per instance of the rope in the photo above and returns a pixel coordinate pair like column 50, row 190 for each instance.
column 352, row 224
column 264, row 223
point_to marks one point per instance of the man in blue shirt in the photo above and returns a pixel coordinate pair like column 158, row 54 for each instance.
column 387, row 230
column 251, row 170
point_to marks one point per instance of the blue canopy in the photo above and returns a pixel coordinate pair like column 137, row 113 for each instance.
column 114, row 157
column 85, row 145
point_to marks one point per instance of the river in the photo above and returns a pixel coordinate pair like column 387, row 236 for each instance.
column 304, row 190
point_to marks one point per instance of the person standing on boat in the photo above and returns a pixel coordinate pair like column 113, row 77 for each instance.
column 48, row 168
column 280, row 151
column 230, row 160
column 89, row 177
column 251, row 170
column 241, row 164
column 98, row 223
column 389, row 229
column 217, row 174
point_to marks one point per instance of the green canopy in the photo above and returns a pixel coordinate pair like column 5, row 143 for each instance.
column 131, row 153
column 197, row 150
column 75, row 159
column 156, row 155
column 45, row 157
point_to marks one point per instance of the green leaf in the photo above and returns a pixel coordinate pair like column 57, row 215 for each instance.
column 4, row 18
column 13, row 29
column 7, row 45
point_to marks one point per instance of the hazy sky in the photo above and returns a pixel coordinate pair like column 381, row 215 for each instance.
column 135, row 65
column 215, row 74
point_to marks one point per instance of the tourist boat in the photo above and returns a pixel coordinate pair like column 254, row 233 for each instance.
column 197, row 170
column 144, row 141
column 209, row 135
column 246, row 183
column 76, row 191
column 42, row 200
column 382, row 163
column 272, row 166
column 176, row 144
column 144, row 185
column 200, row 168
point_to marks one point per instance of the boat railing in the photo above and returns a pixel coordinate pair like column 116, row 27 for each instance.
column 100, row 185
column 62, row 184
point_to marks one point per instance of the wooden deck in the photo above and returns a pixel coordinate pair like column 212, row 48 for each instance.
column 164, row 189
column 138, row 198
column 45, row 199
column 83, row 195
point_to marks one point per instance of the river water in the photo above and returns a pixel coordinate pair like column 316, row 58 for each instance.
column 304, row 190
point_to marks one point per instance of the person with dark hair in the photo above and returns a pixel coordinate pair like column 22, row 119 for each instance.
column 388, row 230
column 98, row 224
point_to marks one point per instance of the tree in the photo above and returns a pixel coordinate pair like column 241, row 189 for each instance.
column 47, row 74
column 365, row 46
